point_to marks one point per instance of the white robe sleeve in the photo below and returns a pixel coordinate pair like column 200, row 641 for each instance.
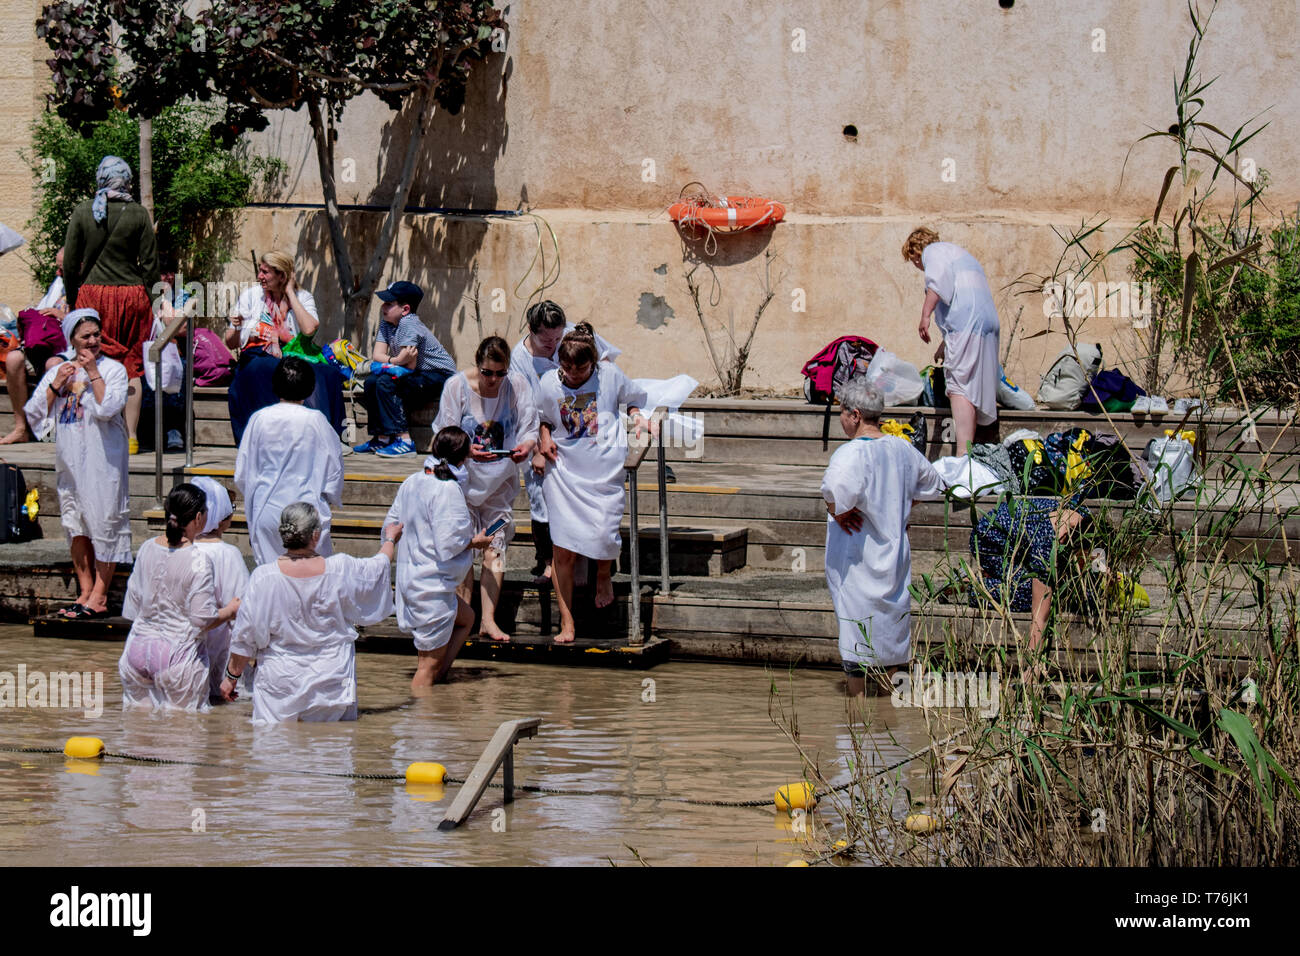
column 203, row 593
column 40, row 417
column 131, row 603
column 452, row 403
column 606, row 351
column 367, row 595
column 332, row 464
column 252, row 629
column 840, row 487
column 930, row 485
column 630, row 394
column 526, row 414
column 939, row 277
column 115, row 381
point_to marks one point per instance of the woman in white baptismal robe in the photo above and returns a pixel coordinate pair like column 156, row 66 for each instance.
column 298, row 620
column 289, row 453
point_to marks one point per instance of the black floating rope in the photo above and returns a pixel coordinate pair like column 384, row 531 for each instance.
column 526, row 788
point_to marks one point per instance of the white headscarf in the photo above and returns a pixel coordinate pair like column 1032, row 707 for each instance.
column 219, row 508
column 459, row 472
column 69, row 325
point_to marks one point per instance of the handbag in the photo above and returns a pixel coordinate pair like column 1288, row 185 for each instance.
column 173, row 370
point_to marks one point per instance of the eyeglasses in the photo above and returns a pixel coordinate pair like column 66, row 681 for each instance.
column 488, row 373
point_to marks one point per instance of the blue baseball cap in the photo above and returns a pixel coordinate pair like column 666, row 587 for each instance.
column 407, row 293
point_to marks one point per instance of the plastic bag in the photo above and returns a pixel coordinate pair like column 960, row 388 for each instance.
column 1173, row 466
column 898, row 381
column 1011, row 395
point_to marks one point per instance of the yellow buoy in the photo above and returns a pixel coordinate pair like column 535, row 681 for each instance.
column 425, row 792
column 425, row 773
column 83, row 747
column 796, row 796
column 921, row 823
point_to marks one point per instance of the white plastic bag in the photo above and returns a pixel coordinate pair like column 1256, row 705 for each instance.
column 173, row 371
column 966, row 478
column 1013, row 396
column 899, row 381
column 1173, row 467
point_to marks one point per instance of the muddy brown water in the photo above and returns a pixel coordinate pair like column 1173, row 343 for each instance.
column 705, row 735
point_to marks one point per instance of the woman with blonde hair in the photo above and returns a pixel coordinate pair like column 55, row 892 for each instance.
column 267, row 317
column 957, row 294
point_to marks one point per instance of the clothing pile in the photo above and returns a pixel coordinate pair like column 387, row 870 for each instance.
column 1076, row 463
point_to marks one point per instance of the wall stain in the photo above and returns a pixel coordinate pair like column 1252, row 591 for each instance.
column 653, row 311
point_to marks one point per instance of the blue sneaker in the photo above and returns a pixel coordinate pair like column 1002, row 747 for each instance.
column 397, row 449
column 370, row 447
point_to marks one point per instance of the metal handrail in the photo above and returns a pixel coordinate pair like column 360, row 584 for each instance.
column 186, row 318
column 637, row 450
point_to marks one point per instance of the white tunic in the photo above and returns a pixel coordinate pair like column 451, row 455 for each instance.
column 868, row 572
column 584, row 487
column 91, row 458
column 968, row 319
column 230, row 577
column 506, row 421
column 302, row 633
column 532, row 368
column 170, row 598
column 433, row 556
column 289, row 453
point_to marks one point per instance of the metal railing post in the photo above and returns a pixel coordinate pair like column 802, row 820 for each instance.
column 189, row 388
column 634, row 552
column 157, row 426
column 665, row 583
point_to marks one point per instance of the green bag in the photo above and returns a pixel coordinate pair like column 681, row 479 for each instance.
column 303, row 347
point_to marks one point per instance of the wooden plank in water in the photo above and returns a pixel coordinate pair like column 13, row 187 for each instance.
column 500, row 749
column 112, row 628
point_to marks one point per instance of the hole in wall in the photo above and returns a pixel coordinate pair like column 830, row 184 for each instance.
column 851, row 132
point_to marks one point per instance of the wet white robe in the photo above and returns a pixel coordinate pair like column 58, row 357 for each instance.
column 532, row 368
column 289, row 453
column 170, row 598
column 230, row 577
column 302, row 633
column 584, row 487
column 968, row 318
column 433, row 556
column 90, row 463
column 868, row 572
column 506, row 421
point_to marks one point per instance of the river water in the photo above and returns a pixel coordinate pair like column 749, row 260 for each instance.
column 699, row 731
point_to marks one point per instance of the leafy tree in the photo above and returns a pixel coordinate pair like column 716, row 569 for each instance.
column 260, row 56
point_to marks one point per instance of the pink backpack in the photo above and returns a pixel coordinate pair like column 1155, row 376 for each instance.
column 845, row 358
column 213, row 363
column 36, row 329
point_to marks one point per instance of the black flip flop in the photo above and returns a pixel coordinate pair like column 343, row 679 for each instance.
column 71, row 612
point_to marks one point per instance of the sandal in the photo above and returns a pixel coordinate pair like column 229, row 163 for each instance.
column 71, row 611
column 84, row 613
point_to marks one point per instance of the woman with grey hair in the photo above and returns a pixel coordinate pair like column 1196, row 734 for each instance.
column 869, row 488
column 298, row 620
column 110, row 262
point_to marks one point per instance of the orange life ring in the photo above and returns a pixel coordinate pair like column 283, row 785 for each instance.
column 728, row 213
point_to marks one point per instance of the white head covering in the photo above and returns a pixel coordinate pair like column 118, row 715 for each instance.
column 70, row 323
column 459, row 472
column 219, row 508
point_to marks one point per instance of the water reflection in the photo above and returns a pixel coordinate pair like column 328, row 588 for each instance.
column 704, row 734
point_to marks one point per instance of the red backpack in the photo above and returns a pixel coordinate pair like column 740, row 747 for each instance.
column 845, row 358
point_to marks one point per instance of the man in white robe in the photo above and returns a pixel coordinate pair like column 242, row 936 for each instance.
column 869, row 487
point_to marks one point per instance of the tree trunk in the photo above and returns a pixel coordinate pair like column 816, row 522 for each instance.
column 146, row 166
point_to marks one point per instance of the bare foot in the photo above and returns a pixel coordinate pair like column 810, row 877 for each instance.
column 17, row 436
column 604, row 591
column 495, row 634
column 564, row 637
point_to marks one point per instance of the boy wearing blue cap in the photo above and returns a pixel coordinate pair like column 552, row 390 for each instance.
column 408, row 370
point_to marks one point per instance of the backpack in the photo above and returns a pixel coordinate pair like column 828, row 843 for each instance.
column 1116, row 474
column 37, row 329
column 1111, row 390
column 934, row 387
column 1066, row 381
column 213, row 363
column 845, row 358
column 343, row 355
column 15, row 525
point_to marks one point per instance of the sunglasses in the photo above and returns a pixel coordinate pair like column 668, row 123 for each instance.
column 488, row 373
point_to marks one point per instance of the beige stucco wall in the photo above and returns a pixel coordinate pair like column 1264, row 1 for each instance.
column 1037, row 125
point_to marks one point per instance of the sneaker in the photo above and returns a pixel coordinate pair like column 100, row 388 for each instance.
column 397, row 449
column 1142, row 406
column 371, row 447
column 1184, row 405
column 1159, row 406
column 175, row 440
